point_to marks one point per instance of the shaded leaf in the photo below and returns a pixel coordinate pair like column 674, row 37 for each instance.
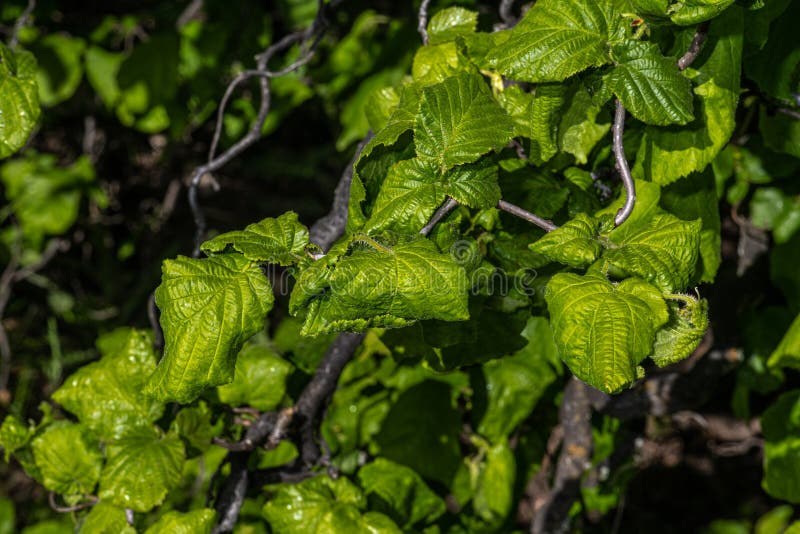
column 259, row 380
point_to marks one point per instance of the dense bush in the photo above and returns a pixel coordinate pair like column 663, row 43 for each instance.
column 348, row 266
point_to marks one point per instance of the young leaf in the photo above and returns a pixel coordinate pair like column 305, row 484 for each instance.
column 19, row 99
column 667, row 154
column 68, row 462
column 259, row 380
column 105, row 518
column 209, row 308
column 556, row 39
column 434, row 64
column 14, row 435
column 281, row 240
column 576, row 243
column 414, row 188
column 459, row 121
column 650, row 85
column 602, row 331
column 689, row 12
column 372, row 287
column 141, row 469
column 579, row 129
column 194, row 522
column 400, row 493
column 680, row 336
column 663, row 251
column 451, row 22
column 106, row 395
column 536, row 116
column 321, row 504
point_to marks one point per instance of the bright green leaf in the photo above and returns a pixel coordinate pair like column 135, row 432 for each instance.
column 279, row 240
column 780, row 425
column 459, row 121
column 68, row 462
column 141, row 469
column 494, row 492
column 683, row 333
column 19, row 99
column 14, row 435
column 787, row 353
column 106, row 395
column 579, row 129
column 536, row 117
column 105, row 518
column 451, row 22
column 209, row 308
column 602, row 331
column 380, row 287
column 576, row 243
column 556, row 39
column 650, row 85
column 689, row 12
column 193, row 522
column 259, row 380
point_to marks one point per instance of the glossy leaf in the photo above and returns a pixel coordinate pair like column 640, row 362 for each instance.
column 68, row 461
column 279, row 240
column 664, row 251
column 451, row 22
column 105, row 518
column 555, row 40
column 400, row 493
column 106, row 395
column 209, row 308
column 650, row 85
column 683, row 333
column 380, row 287
column 536, row 116
column 602, row 330
column 459, row 121
column 141, row 469
column 193, row 522
column 576, row 243
column 259, row 380
column 691, row 12
column 19, row 99
column 667, row 154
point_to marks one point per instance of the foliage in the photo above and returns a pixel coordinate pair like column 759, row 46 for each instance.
column 474, row 320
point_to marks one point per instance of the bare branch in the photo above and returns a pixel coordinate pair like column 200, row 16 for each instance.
column 544, row 224
column 422, row 24
column 51, row 499
column 508, row 18
column 20, row 23
column 790, row 113
column 448, row 206
column 696, row 45
column 576, row 452
column 189, row 13
column 617, row 129
column 230, row 500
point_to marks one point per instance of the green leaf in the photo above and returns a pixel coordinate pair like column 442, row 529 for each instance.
column 19, row 99
column 380, row 287
column 400, row 493
column 667, row 154
column 105, row 518
column 102, row 69
column 695, row 197
column 774, row 68
column 459, row 121
column 421, row 432
column 787, row 353
column 321, row 504
column 8, row 516
column 602, row 330
column 515, row 383
column 683, row 333
column 781, row 426
column 451, row 22
column 282, row 241
column 536, row 116
column 663, row 251
column 14, row 435
column 141, row 469
column 689, row 12
column 209, row 308
column 194, row 425
column 106, row 395
column 259, row 380
column 60, row 67
column 436, row 63
column 494, row 492
column 576, row 243
column 68, row 462
column 579, row 129
column 45, row 197
column 774, row 521
column 650, row 85
column 193, row 522
column 556, row 39
column 414, row 188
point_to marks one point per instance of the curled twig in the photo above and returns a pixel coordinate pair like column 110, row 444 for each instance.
column 694, row 48
column 422, row 24
column 51, row 499
column 621, row 163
